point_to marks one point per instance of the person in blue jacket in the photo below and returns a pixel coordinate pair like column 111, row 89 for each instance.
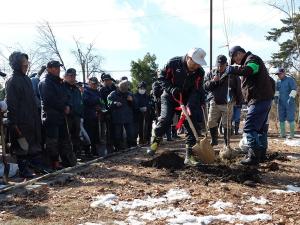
column 121, row 105
column 286, row 91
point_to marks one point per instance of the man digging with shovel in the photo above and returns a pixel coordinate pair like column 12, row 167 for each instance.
column 182, row 76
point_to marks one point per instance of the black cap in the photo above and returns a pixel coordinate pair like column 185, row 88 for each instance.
column 221, row 60
column 93, row 80
column 124, row 78
column 71, row 71
column 233, row 51
column 106, row 76
column 142, row 84
column 54, row 63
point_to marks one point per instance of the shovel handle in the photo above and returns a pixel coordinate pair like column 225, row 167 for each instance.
column 205, row 121
column 189, row 121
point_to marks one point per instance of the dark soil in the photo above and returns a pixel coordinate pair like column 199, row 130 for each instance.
column 167, row 160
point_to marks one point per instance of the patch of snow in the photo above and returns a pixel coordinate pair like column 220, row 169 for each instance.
column 261, row 200
column 292, row 142
column 289, row 189
column 291, row 157
column 220, row 205
column 258, row 209
column 110, row 200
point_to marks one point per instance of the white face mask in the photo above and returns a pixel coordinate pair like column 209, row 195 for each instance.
column 142, row 91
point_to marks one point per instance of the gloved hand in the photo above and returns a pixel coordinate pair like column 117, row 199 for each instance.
column 175, row 93
column 143, row 109
column 291, row 100
column 118, row 104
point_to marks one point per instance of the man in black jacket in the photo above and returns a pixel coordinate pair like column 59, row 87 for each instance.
column 224, row 91
column 182, row 76
column 55, row 108
column 23, row 116
column 258, row 89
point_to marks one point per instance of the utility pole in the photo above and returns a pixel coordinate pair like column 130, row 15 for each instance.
column 211, row 34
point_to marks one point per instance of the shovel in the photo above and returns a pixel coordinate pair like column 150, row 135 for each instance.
column 202, row 150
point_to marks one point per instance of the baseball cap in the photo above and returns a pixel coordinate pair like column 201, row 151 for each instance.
column 93, row 80
column 54, row 63
column 221, row 60
column 279, row 70
column 71, row 71
column 233, row 51
column 197, row 55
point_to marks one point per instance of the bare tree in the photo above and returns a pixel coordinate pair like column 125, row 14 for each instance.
column 89, row 60
column 48, row 43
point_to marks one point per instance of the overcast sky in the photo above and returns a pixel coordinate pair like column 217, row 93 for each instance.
column 127, row 30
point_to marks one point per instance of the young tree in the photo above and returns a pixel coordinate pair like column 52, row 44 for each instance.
column 89, row 60
column 288, row 55
column 144, row 70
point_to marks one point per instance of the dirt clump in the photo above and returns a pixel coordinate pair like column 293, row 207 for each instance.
column 167, row 160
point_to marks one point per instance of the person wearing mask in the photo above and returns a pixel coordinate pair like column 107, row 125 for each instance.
column 258, row 90
column 285, row 94
column 55, row 109
column 121, row 105
column 23, row 116
column 182, row 76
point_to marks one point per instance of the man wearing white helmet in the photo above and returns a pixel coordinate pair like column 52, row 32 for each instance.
column 182, row 76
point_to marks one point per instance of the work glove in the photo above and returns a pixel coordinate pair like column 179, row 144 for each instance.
column 143, row 109
column 175, row 93
column 118, row 104
column 291, row 100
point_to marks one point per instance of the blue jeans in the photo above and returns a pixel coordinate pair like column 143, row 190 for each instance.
column 255, row 126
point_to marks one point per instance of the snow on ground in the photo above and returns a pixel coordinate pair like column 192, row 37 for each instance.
column 292, row 157
column 261, row 200
column 110, row 200
column 292, row 142
column 289, row 189
column 159, row 208
column 220, row 205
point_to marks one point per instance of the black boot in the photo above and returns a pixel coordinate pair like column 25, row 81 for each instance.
column 252, row 158
column 24, row 170
column 214, row 136
column 174, row 133
column 263, row 155
column 226, row 132
column 236, row 128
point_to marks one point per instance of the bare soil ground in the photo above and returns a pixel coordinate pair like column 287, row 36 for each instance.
column 134, row 175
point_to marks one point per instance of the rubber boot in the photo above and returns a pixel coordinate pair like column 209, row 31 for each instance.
column 214, row 136
column 252, row 158
column 154, row 146
column 24, row 170
column 282, row 129
column 292, row 130
column 226, row 132
column 263, row 155
column 169, row 134
column 236, row 128
column 189, row 158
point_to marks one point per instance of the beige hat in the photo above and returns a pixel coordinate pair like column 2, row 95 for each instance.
column 197, row 55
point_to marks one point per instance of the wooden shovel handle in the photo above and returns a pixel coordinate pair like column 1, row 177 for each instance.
column 183, row 108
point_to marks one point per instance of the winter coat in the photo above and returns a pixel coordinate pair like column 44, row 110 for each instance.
column 91, row 100
column 35, row 84
column 217, row 90
column 256, row 86
column 105, row 91
column 121, row 114
column 74, row 99
column 22, row 109
column 176, row 75
column 54, row 99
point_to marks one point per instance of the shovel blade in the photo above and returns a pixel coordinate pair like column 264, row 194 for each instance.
column 204, row 152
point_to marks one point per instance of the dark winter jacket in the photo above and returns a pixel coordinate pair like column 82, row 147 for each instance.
column 22, row 108
column 157, row 90
column 54, row 99
column 35, row 85
column 120, row 114
column 257, row 85
column 74, row 99
column 176, row 75
column 105, row 91
column 91, row 101
column 217, row 90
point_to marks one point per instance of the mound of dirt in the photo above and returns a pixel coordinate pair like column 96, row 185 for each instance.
column 167, row 159
column 236, row 173
column 276, row 156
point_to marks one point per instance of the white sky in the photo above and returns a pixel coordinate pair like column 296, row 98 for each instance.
column 127, row 30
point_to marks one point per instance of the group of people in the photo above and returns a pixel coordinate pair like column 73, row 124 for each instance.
column 53, row 121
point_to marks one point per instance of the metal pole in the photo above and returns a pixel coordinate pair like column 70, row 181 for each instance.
column 211, row 34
